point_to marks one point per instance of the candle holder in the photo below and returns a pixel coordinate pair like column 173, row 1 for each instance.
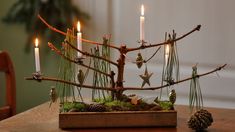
column 142, row 42
column 37, row 76
column 109, row 100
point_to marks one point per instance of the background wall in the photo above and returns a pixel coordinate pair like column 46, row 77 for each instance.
column 212, row 46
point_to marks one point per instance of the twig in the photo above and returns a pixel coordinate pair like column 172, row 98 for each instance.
column 163, row 43
column 145, row 61
column 173, row 83
column 84, row 40
column 60, row 53
column 71, row 83
column 125, row 88
column 88, row 54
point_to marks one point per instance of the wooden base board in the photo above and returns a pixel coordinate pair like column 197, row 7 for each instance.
column 118, row 119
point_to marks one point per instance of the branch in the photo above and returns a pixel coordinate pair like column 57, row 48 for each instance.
column 67, row 58
column 63, row 33
column 173, row 83
column 163, row 43
column 71, row 83
column 87, row 54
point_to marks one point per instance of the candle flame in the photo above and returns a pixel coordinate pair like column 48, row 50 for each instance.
column 142, row 10
column 79, row 26
column 36, row 42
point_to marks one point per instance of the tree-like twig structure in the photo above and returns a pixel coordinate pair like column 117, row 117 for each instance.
column 116, row 86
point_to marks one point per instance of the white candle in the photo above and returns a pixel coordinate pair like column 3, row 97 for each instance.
column 79, row 39
column 167, row 50
column 37, row 59
column 142, row 23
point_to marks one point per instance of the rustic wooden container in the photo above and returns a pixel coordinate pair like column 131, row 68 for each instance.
column 118, row 119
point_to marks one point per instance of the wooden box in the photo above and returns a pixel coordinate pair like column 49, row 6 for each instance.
column 118, row 119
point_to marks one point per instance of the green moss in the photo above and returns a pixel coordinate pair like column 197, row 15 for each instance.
column 102, row 100
column 166, row 105
column 67, row 106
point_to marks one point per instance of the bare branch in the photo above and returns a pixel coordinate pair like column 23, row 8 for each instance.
column 173, row 83
column 88, row 54
column 71, row 83
column 163, row 43
column 60, row 53
column 84, row 40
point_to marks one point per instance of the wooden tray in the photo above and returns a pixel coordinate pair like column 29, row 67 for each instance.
column 118, row 119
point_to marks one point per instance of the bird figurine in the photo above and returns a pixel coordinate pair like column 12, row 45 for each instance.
column 53, row 95
column 139, row 60
column 80, row 76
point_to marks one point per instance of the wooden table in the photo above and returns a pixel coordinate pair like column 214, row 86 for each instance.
column 42, row 118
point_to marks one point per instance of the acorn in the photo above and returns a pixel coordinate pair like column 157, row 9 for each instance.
column 200, row 120
column 139, row 60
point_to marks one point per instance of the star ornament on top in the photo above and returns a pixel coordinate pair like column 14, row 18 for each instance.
column 146, row 76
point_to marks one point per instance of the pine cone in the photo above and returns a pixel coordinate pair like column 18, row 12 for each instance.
column 172, row 96
column 200, row 120
column 96, row 108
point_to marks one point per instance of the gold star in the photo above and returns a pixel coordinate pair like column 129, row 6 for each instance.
column 146, row 77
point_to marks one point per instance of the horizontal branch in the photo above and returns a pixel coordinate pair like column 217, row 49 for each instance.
column 173, row 83
column 91, row 55
column 64, row 33
column 71, row 83
column 163, row 43
column 67, row 58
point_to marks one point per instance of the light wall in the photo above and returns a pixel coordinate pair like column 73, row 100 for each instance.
column 212, row 46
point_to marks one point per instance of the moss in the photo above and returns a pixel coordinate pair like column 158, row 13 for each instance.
column 102, row 100
column 166, row 105
column 79, row 106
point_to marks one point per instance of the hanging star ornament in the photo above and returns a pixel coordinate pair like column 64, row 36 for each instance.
column 146, row 76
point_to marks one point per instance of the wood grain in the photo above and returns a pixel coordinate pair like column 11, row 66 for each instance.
column 43, row 118
column 118, row 119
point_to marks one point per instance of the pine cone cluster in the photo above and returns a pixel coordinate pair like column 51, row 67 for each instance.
column 200, row 120
column 96, row 108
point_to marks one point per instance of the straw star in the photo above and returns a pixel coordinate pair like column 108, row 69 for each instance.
column 146, row 76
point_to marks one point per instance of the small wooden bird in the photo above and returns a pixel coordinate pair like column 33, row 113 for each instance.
column 80, row 76
column 53, row 95
column 139, row 60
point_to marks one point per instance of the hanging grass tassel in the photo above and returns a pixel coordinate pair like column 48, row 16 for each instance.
column 195, row 94
column 201, row 119
column 171, row 62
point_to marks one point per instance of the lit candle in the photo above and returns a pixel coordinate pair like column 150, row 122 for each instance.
column 167, row 50
column 37, row 59
column 142, row 23
column 79, row 39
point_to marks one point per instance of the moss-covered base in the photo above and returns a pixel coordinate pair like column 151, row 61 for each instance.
column 127, row 103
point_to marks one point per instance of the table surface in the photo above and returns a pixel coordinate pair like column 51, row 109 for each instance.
column 42, row 118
